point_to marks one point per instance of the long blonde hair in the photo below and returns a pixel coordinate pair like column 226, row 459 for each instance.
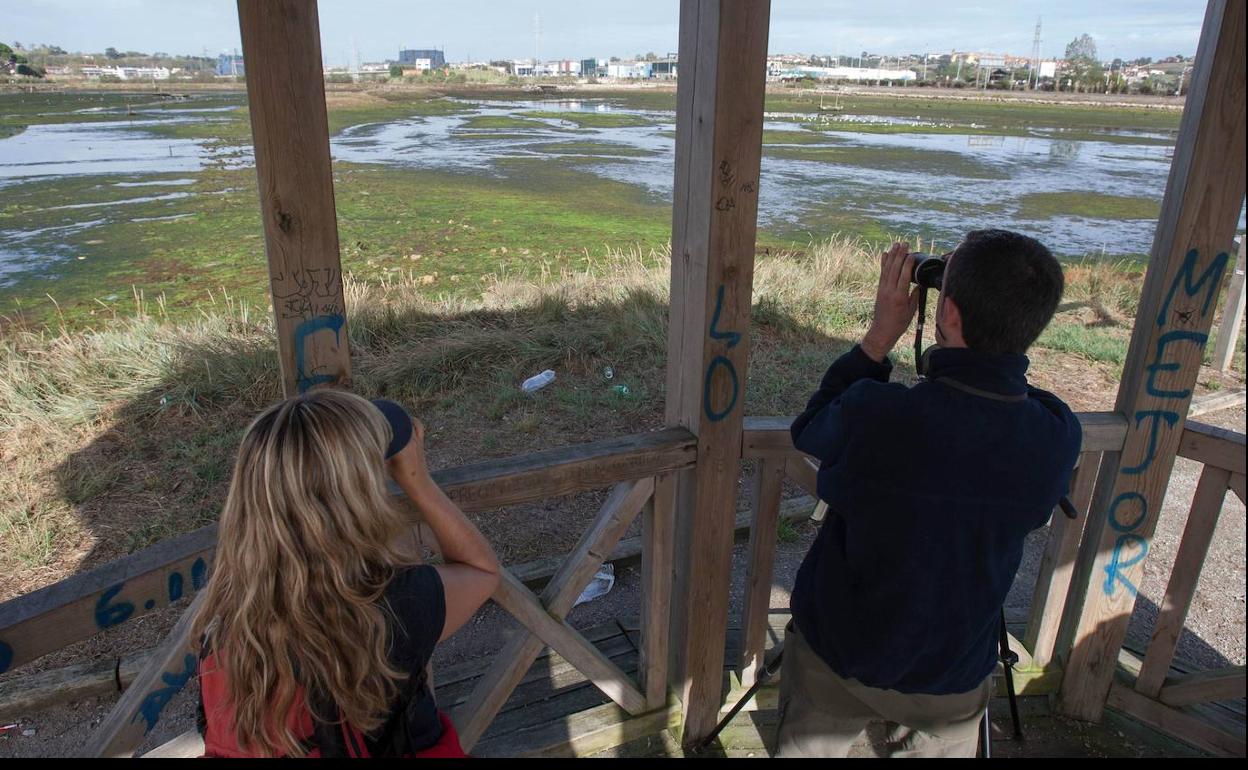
column 306, row 544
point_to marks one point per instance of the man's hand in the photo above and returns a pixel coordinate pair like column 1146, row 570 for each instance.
column 895, row 303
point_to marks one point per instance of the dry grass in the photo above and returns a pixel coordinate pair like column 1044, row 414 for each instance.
column 123, row 435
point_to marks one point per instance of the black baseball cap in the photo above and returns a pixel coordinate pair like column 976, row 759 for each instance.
column 400, row 425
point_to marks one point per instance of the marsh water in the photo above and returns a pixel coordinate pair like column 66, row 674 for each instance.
column 813, row 182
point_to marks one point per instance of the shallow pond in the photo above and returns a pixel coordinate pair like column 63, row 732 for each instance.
column 939, row 185
column 813, row 182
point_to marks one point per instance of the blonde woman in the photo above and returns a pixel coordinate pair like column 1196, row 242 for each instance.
column 318, row 623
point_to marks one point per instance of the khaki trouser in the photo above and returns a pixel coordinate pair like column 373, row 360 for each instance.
column 822, row 715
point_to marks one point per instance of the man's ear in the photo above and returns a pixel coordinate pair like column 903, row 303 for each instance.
column 951, row 321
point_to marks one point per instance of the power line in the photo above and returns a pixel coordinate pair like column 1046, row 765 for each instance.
column 1035, row 56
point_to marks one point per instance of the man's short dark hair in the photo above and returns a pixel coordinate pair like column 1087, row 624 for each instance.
column 1007, row 287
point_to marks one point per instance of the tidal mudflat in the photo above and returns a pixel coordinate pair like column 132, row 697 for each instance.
column 109, row 196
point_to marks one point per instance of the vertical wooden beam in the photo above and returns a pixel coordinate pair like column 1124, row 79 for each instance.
column 719, row 123
column 1057, row 565
column 1202, row 520
column 657, row 526
column 290, row 131
column 1187, row 266
column 1232, row 314
column 768, row 486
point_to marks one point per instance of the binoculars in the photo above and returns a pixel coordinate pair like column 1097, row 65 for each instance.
column 928, row 270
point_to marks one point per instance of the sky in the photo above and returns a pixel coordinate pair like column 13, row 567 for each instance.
column 504, row 29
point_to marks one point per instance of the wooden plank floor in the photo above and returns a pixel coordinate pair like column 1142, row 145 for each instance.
column 556, row 712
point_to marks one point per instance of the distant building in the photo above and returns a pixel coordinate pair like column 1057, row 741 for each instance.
column 127, row 73
column 230, row 64
column 1008, row 61
column 665, row 68
column 436, row 57
column 594, row 68
column 849, row 73
column 629, row 70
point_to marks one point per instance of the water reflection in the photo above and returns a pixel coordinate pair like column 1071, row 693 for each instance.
column 819, row 176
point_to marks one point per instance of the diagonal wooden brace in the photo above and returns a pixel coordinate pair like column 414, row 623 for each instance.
column 545, row 618
column 136, row 712
column 576, row 649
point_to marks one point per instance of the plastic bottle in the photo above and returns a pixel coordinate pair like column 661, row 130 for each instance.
column 599, row 586
column 538, row 381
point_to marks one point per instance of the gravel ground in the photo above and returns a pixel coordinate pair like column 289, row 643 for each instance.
column 1213, row 637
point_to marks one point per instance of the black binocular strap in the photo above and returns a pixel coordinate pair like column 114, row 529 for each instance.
column 962, row 386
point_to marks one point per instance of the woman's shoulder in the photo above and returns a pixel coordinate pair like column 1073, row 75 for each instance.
column 418, row 604
column 415, row 581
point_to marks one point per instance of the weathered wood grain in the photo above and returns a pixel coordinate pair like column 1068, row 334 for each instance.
column 719, row 123
column 1187, row 267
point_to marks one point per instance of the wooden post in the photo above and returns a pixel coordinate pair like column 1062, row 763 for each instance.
column 1188, row 264
column 768, row 487
column 290, row 131
column 1202, row 520
column 1053, row 581
column 1232, row 315
column 657, row 525
column 719, row 123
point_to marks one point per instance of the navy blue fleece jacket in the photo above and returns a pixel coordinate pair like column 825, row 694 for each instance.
column 931, row 490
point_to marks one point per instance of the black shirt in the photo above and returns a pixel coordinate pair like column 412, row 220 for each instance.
column 417, row 603
column 931, row 491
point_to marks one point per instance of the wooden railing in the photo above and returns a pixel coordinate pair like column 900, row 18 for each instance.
column 640, row 468
column 1147, row 690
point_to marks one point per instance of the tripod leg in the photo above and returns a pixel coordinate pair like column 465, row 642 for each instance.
column 764, row 676
column 985, row 737
column 1008, row 659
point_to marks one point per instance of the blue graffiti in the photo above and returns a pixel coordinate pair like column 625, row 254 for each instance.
column 108, row 615
column 1171, row 366
column 6, row 657
column 1119, row 500
column 155, row 702
column 712, row 414
column 1158, row 417
column 199, row 573
column 1184, row 279
column 304, row 330
column 720, row 362
column 1114, row 570
column 175, row 586
column 732, row 337
column 1213, row 275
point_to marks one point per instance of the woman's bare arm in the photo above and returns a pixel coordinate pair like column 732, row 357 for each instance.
column 469, row 570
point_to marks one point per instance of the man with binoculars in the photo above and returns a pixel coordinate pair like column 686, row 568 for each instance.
column 931, row 490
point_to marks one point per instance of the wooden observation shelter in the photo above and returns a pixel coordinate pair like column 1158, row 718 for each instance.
column 675, row 667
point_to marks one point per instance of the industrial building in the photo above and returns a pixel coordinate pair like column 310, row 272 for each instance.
column 410, row 57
